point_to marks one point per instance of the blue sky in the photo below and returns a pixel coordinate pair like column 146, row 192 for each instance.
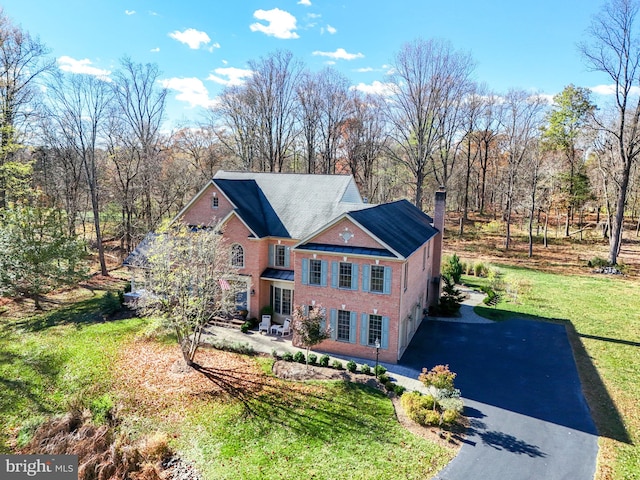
column 200, row 46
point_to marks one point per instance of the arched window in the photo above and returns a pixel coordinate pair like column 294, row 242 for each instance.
column 237, row 255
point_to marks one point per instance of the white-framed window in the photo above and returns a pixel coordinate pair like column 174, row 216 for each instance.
column 343, row 332
column 375, row 329
column 280, row 255
column 377, row 279
column 215, row 202
column 281, row 300
column 344, row 277
column 315, row 272
column 237, row 255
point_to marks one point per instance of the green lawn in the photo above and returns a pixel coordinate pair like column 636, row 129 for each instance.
column 605, row 313
column 323, row 431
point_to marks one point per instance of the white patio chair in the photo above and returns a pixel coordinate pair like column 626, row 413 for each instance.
column 265, row 324
column 285, row 328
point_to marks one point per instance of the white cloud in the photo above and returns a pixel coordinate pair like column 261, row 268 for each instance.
column 192, row 37
column 376, row 88
column 68, row 64
column 306, row 3
column 340, row 54
column 129, row 12
column 364, row 70
column 611, row 90
column 235, row 76
column 280, row 24
column 155, row 50
column 331, row 29
column 213, row 47
column 190, row 90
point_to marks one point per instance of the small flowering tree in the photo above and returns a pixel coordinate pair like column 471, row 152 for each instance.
column 439, row 382
column 309, row 326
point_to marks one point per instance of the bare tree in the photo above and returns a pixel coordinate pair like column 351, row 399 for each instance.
column 22, row 61
column 521, row 122
column 141, row 109
column 78, row 108
column 273, row 89
column 488, row 130
column 309, row 105
column 614, row 49
column 234, row 119
column 190, row 281
column 425, row 75
column 364, row 142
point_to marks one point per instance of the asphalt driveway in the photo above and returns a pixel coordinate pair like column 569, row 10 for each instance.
column 529, row 418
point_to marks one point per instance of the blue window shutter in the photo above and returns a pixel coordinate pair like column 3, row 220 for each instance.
column 305, row 271
column 364, row 329
column 334, row 274
column 387, row 280
column 272, row 255
column 365, row 277
column 354, row 276
column 353, row 323
column 323, row 273
column 323, row 324
column 287, row 257
column 384, row 342
column 333, row 322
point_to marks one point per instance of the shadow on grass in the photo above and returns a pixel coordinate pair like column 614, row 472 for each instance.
column 301, row 408
column 83, row 312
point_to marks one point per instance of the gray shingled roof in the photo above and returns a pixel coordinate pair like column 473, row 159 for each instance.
column 400, row 225
column 303, row 203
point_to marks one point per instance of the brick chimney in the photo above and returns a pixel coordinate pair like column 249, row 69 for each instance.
column 438, row 223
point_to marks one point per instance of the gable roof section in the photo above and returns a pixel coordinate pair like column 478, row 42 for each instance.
column 400, row 225
column 299, row 204
column 253, row 207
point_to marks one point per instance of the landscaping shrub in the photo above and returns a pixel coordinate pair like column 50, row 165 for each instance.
column 274, row 353
column 431, row 417
column 390, row 386
column 337, row 364
column 383, row 378
column 399, row 389
column 366, row 369
column 480, row 269
column 287, row 357
column 449, row 416
column 324, row 361
column 110, row 304
column 451, row 298
column 598, row 262
column 313, row 358
column 417, row 406
column 299, row 357
column 455, row 404
column 452, row 268
column 352, row 366
column 244, row 328
column 379, row 370
column 254, row 322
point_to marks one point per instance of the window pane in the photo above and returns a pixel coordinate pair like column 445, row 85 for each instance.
column 377, row 279
column 277, row 300
column 375, row 329
column 280, row 251
column 286, row 302
column 345, row 275
column 237, row 256
column 344, row 322
column 315, row 272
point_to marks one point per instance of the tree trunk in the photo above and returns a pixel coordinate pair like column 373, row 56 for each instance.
column 615, row 239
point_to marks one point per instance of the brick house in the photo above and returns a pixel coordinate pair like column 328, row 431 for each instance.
column 311, row 239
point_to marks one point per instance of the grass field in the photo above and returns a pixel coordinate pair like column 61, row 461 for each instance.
column 233, row 419
column 603, row 316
